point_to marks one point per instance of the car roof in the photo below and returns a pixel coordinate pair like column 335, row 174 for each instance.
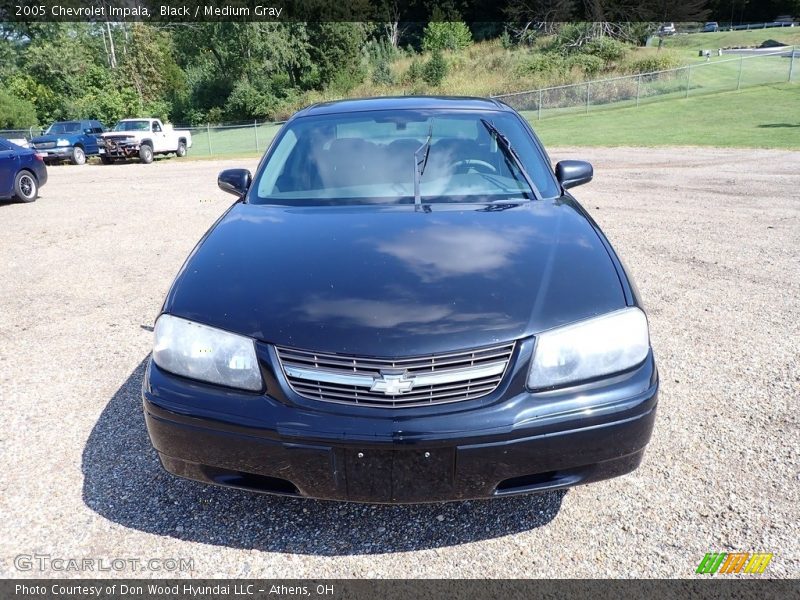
column 404, row 103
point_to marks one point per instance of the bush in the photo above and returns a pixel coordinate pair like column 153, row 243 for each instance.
column 505, row 40
column 540, row 62
column 606, row 48
column 589, row 65
column 445, row 35
column 16, row 113
column 660, row 61
column 382, row 75
column 415, row 73
column 435, row 69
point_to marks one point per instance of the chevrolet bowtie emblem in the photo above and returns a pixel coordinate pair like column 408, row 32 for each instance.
column 392, row 384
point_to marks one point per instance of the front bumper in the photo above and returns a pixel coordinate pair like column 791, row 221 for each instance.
column 58, row 153
column 119, row 149
column 499, row 446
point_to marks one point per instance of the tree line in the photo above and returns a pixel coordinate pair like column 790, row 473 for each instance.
column 212, row 72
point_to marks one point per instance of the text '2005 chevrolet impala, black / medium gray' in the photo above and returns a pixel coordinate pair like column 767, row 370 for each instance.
column 404, row 305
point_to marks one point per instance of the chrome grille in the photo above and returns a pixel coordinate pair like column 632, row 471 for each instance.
column 433, row 379
column 44, row 145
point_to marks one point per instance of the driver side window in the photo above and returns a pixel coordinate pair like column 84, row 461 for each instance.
column 156, row 128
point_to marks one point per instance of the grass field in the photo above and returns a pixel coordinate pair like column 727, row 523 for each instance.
column 761, row 117
column 731, row 39
column 751, row 93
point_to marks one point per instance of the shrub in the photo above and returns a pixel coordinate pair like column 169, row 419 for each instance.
column 660, row 61
column 435, row 69
column 16, row 113
column 606, row 48
column 540, row 62
column 445, row 35
column 505, row 40
column 382, row 74
column 588, row 64
column 415, row 72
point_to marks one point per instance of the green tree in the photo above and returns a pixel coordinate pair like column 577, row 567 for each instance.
column 435, row 69
column 16, row 113
column 149, row 65
column 441, row 34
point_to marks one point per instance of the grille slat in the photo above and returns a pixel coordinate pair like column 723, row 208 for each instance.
column 324, row 388
column 459, row 376
column 375, row 367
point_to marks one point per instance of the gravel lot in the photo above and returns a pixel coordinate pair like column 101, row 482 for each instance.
column 712, row 238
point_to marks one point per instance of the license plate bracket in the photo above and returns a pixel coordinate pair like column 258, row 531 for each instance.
column 413, row 475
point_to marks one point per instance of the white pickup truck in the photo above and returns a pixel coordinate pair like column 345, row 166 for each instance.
column 143, row 138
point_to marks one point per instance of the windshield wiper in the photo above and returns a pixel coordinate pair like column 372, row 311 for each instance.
column 511, row 155
column 420, row 162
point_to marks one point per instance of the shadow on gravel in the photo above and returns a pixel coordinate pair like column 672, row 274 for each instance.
column 124, row 482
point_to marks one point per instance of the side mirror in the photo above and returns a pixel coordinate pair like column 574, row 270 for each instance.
column 235, row 181
column 573, row 172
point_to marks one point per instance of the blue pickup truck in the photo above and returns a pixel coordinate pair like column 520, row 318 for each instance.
column 69, row 140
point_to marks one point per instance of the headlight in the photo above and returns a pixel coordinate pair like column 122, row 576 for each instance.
column 63, row 143
column 591, row 348
column 202, row 352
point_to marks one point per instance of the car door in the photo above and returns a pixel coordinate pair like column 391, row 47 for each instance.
column 9, row 163
column 159, row 138
column 88, row 138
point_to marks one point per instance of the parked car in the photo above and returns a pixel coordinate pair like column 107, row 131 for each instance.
column 667, row 29
column 69, row 140
column 405, row 304
column 710, row 26
column 143, row 138
column 22, row 172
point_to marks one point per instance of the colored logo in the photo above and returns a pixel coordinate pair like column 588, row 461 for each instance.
column 734, row 562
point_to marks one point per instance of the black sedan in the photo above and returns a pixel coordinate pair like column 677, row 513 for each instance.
column 404, row 305
column 22, row 172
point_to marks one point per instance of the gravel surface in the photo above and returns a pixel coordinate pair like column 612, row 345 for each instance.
column 712, row 238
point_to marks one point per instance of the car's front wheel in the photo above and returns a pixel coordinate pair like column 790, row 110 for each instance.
column 78, row 156
column 146, row 154
column 26, row 189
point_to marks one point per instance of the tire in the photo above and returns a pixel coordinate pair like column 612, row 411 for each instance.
column 78, row 156
column 106, row 160
column 146, row 153
column 26, row 188
column 181, row 151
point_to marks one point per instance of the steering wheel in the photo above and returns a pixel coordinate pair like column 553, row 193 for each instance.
column 474, row 163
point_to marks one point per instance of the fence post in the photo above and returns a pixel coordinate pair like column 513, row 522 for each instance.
column 638, row 89
column 688, row 79
column 588, row 95
column 540, row 104
column 208, row 134
column 741, row 66
column 255, row 127
column 791, row 65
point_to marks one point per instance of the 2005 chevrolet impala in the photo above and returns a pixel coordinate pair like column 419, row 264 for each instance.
column 405, row 305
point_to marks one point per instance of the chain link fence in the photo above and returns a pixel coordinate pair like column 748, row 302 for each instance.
column 709, row 77
column 720, row 74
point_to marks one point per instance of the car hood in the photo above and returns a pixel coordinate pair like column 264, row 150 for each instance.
column 52, row 138
column 390, row 281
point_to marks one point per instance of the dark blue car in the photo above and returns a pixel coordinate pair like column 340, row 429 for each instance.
column 405, row 304
column 22, row 172
column 69, row 140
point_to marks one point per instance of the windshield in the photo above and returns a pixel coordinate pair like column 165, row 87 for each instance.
column 132, row 126
column 66, row 127
column 371, row 157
